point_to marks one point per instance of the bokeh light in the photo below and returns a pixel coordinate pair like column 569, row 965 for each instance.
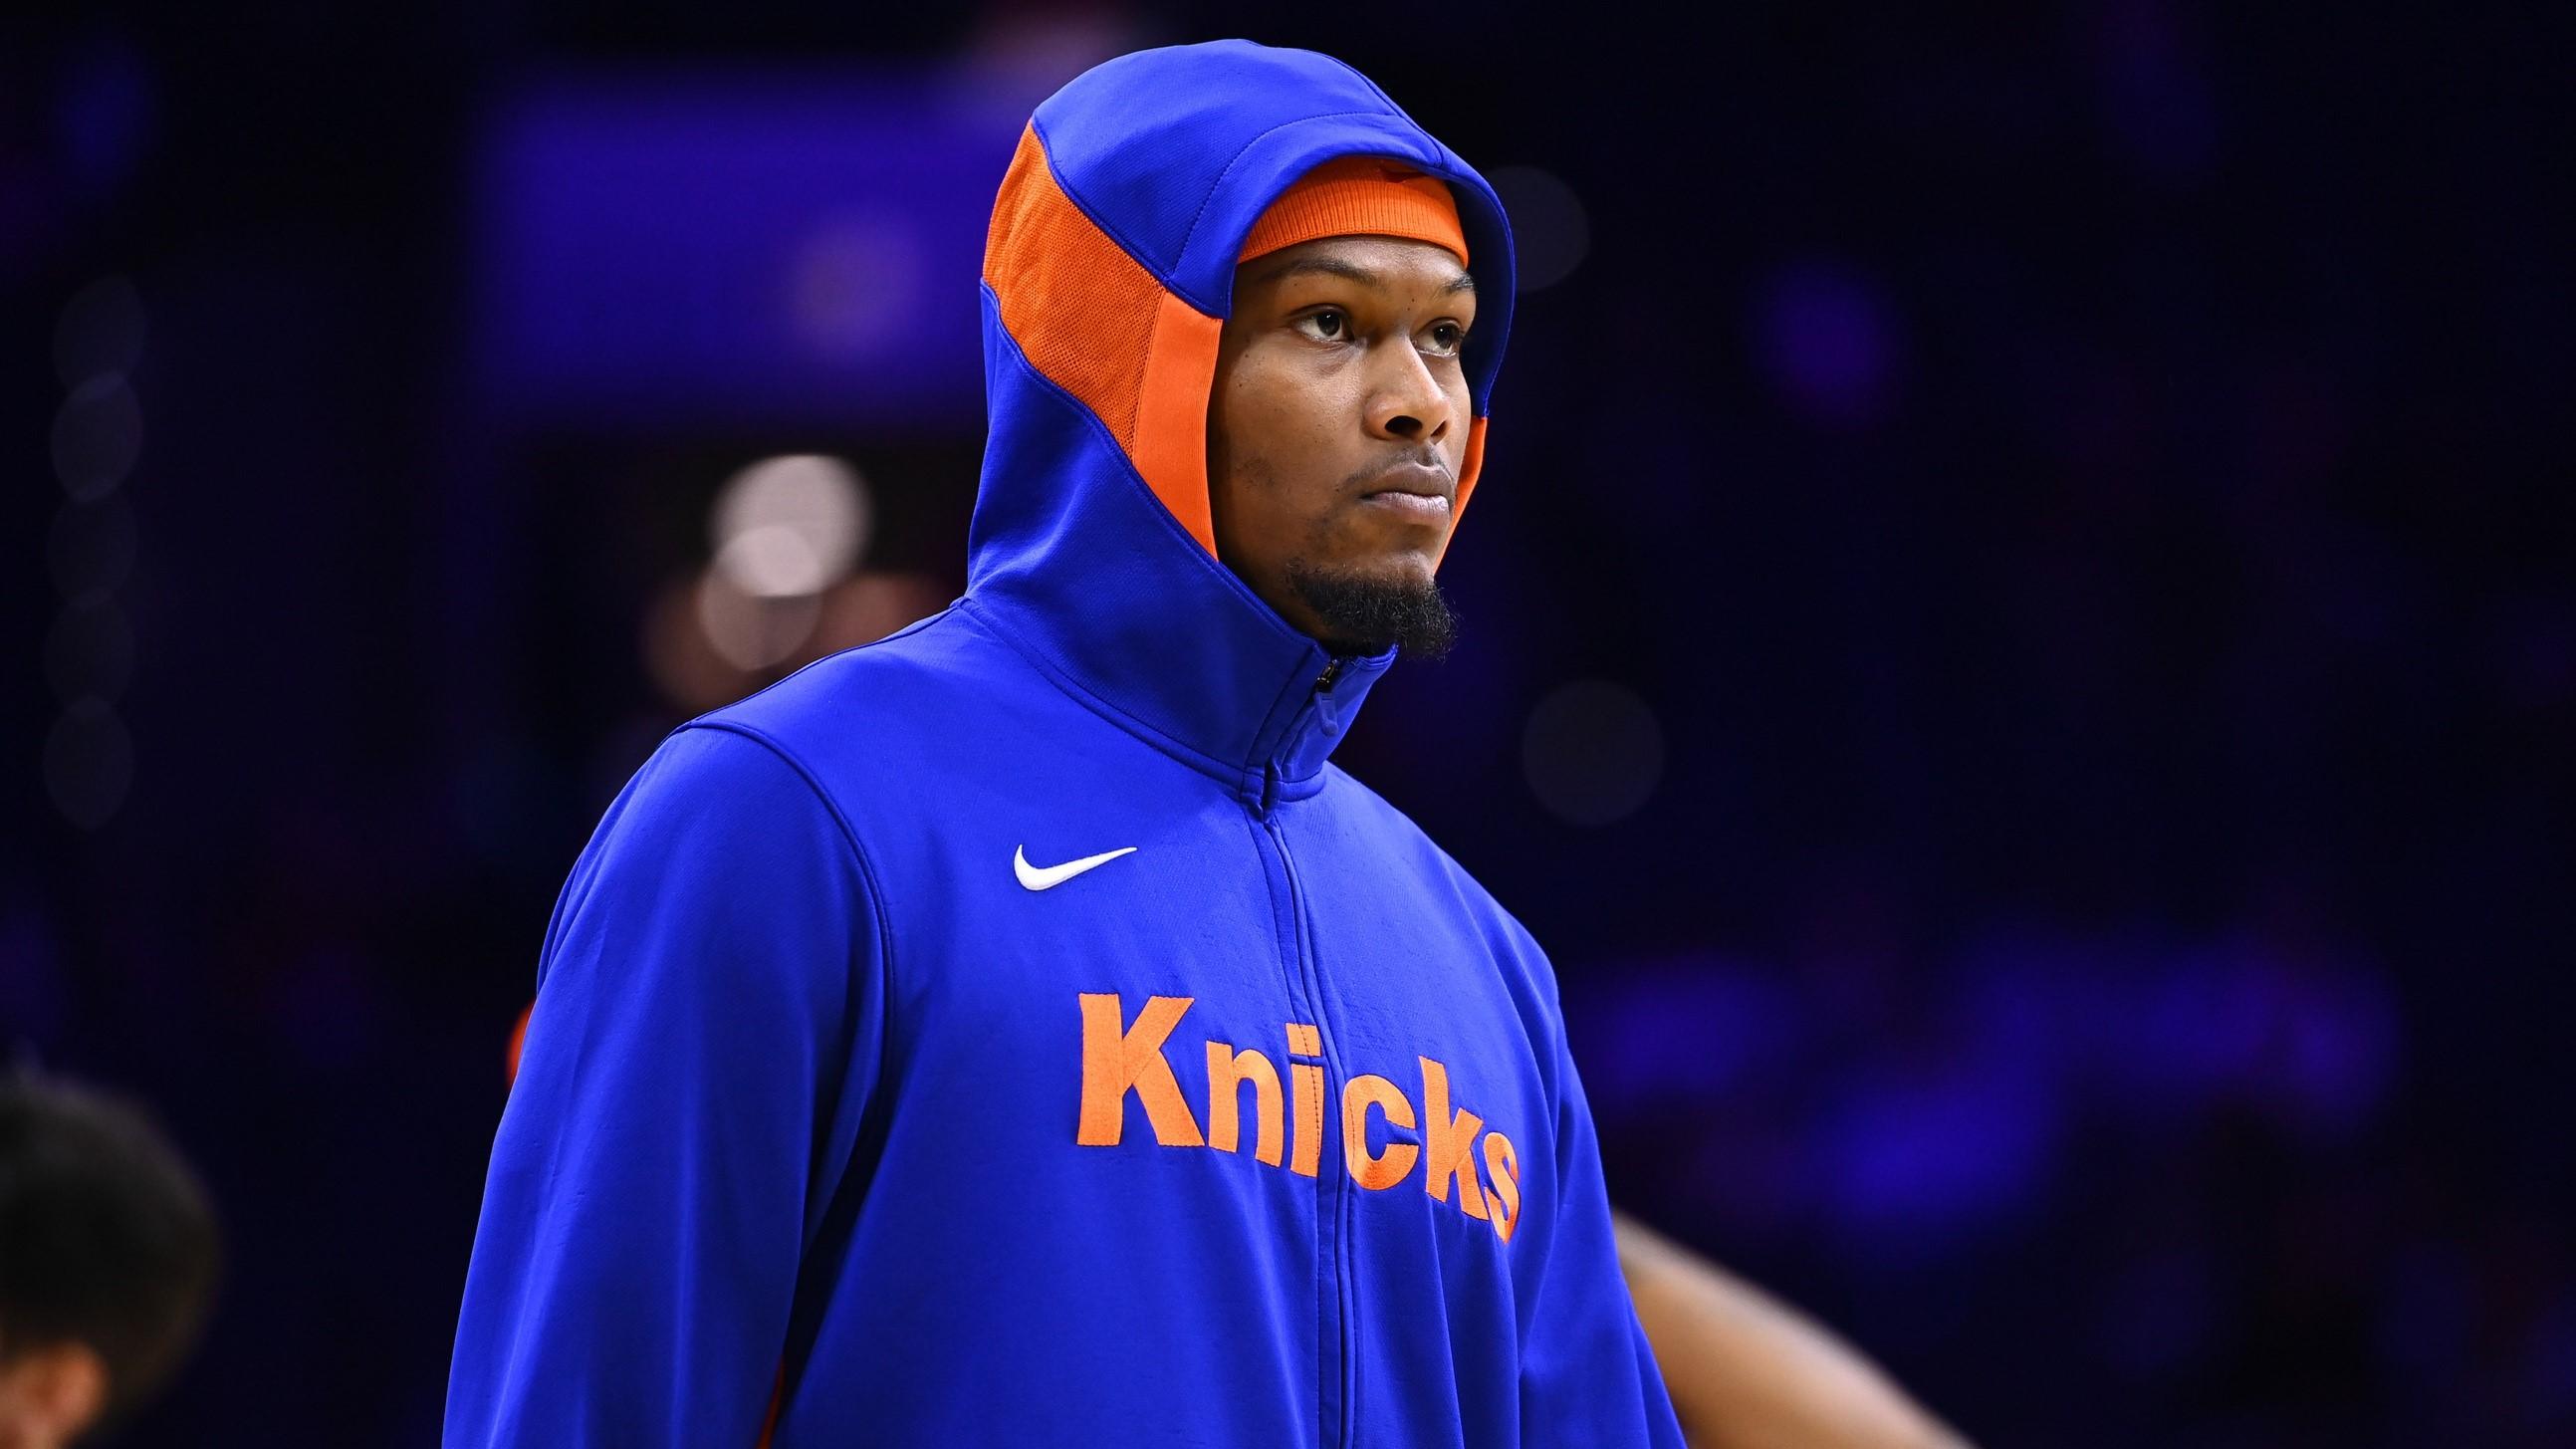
column 89, row 763
column 751, row 631
column 790, row 526
column 1551, row 232
column 1824, row 336
column 98, row 433
column 1593, row 752
column 868, row 608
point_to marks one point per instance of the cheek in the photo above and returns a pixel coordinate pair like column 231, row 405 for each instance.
column 1283, row 410
column 1245, row 403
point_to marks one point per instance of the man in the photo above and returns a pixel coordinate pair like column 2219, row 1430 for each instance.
column 1017, row 1031
column 107, row 1261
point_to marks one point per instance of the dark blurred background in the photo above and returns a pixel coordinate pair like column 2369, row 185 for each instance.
column 2020, row 656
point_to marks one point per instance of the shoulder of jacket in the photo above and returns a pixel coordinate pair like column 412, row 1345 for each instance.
column 871, row 684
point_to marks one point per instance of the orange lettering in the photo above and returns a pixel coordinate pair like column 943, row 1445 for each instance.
column 1304, row 1040
column 1505, row 1165
column 1115, row 1060
column 1309, row 1082
column 1228, row 1070
column 1448, row 1143
column 1358, row 1095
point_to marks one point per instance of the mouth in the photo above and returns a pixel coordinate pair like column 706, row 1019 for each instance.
column 1417, row 489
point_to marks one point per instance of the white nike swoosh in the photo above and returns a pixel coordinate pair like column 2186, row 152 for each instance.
column 1039, row 878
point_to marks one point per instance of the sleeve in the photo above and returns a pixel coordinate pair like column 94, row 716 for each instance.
column 705, row 1037
column 1588, row 1375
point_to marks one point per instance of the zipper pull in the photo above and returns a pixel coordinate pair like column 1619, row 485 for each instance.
column 1332, row 671
column 1269, row 786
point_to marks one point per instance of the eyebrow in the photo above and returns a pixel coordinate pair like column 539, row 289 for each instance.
column 1350, row 272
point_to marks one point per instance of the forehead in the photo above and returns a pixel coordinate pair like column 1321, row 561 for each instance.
column 1392, row 264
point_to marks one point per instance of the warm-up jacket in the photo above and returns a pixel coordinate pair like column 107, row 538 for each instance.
column 1016, row 1031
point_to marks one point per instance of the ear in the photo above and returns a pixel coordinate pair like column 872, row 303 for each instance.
column 49, row 1396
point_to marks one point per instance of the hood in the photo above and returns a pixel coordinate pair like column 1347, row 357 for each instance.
column 1108, row 273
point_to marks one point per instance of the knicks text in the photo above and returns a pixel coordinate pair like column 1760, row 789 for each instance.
column 1119, row 1057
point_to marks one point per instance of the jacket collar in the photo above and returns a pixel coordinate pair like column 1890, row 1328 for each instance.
column 1166, row 642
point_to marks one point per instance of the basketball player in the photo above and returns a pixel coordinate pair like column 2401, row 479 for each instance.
column 1017, row 1030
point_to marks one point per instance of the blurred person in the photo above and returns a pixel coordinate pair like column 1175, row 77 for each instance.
column 108, row 1259
column 888, row 1070
column 1747, row 1371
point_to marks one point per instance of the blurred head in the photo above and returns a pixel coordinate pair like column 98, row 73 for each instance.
column 107, row 1261
column 1339, row 423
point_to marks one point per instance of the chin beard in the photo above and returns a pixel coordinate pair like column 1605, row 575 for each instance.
column 1363, row 613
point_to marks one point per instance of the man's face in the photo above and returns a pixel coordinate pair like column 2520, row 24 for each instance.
column 1336, row 432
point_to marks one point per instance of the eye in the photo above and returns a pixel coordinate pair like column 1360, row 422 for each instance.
column 1446, row 339
column 1327, row 324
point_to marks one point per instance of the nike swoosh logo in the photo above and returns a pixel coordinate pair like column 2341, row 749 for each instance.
column 1043, row 878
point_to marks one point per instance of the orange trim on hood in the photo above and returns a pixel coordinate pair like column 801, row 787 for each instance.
column 1468, row 468
column 1094, row 322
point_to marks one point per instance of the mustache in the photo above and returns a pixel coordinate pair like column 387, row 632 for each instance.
column 1373, row 477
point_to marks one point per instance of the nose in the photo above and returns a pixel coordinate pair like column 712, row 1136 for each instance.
column 1407, row 404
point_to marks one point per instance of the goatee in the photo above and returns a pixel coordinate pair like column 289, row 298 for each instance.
column 1364, row 613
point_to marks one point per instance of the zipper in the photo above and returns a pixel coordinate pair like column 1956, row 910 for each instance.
column 1310, row 979
column 1333, row 1186
column 1270, row 768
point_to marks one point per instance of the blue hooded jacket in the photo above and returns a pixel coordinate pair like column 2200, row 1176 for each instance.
column 1016, row 1031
